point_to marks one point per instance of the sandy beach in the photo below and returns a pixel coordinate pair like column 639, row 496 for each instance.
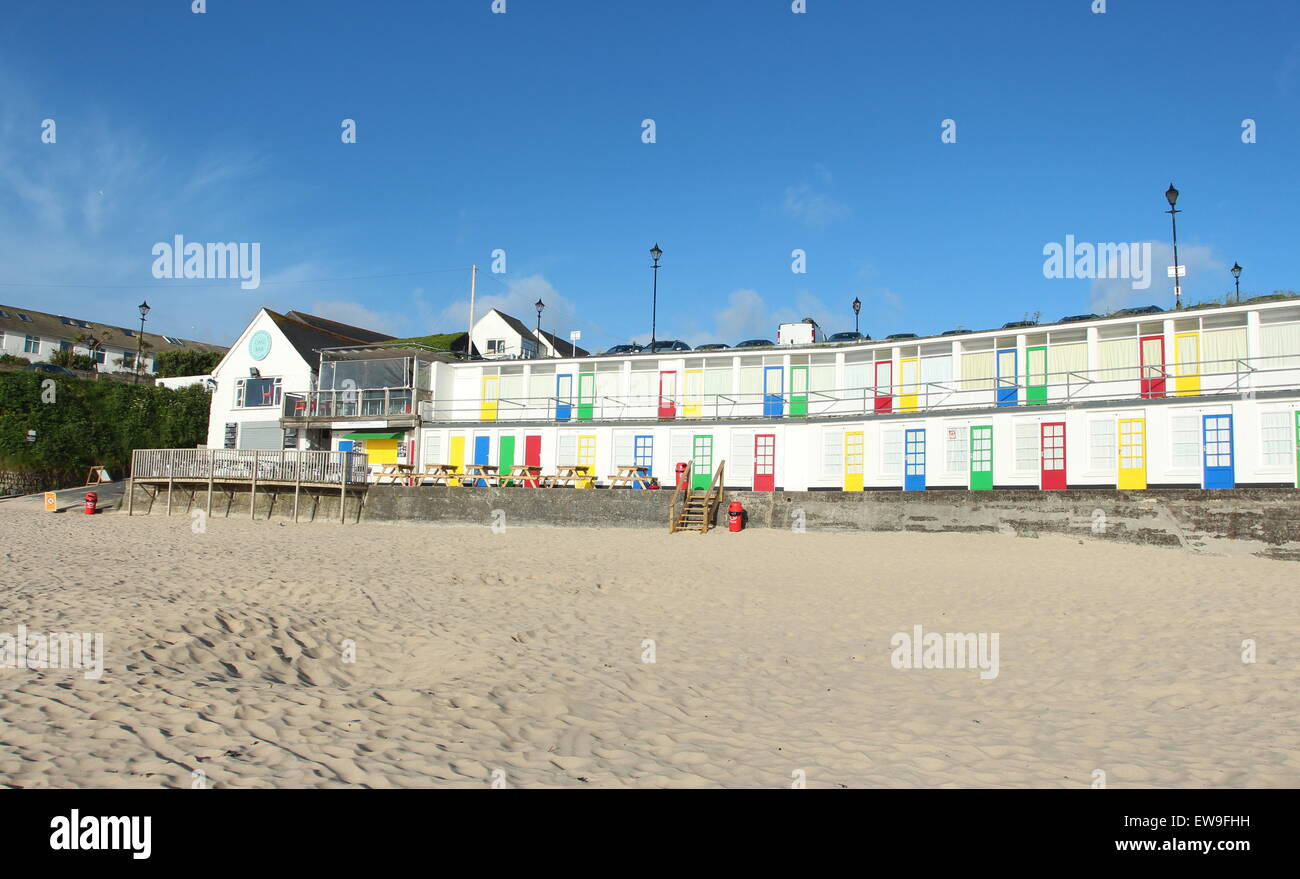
column 520, row 658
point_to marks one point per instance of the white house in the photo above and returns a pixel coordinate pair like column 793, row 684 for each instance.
column 498, row 336
column 275, row 354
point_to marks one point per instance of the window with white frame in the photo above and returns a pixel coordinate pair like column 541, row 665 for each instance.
column 1185, row 437
column 1275, row 437
column 891, row 451
column 256, row 392
column 31, row 345
column 496, row 346
column 566, row 453
column 1027, row 446
column 832, row 452
column 1101, row 445
column 957, row 457
column 431, row 447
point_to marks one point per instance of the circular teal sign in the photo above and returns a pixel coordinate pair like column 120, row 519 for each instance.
column 259, row 345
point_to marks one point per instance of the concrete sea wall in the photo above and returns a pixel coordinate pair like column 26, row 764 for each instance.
column 1235, row 521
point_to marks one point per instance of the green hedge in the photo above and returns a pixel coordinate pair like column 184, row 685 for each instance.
column 93, row 422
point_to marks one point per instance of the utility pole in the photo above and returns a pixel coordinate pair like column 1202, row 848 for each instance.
column 469, row 337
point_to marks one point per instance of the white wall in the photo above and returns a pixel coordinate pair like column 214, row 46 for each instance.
column 282, row 361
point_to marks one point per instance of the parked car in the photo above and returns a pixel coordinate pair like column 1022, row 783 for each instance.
column 1019, row 324
column 1078, row 317
column 756, row 343
column 625, row 349
column 712, row 346
column 50, row 369
column 955, row 332
column 1144, row 309
column 668, row 345
column 901, row 336
column 848, row 337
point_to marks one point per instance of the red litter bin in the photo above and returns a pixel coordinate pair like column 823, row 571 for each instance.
column 92, row 502
column 682, row 476
column 735, row 516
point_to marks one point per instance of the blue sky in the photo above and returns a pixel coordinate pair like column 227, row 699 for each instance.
column 523, row 131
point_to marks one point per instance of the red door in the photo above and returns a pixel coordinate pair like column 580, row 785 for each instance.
column 765, row 462
column 1153, row 365
column 667, row 395
column 1052, row 442
column 532, row 456
column 885, row 386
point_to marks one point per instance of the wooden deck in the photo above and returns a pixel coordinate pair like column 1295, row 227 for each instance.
column 230, row 470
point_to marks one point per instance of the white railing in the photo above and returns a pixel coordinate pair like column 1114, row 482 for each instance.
column 1204, row 378
column 358, row 403
column 249, row 465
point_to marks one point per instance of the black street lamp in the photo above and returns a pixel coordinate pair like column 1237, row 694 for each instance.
column 139, row 350
column 1172, row 196
column 1236, row 279
column 539, row 305
column 655, row 253
column 857, row 308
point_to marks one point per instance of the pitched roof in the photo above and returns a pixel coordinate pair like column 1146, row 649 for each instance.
column 57, row 326
column 563, row 348
column 515, row 324
column 332, row 326
column 308, row 333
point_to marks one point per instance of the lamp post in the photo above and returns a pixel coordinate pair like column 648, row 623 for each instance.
column 91, row 344
column 655, row 253
column 139, row 350
column 1236, row 279
column 857, row 308
column 1172, row 196
column 539, row 305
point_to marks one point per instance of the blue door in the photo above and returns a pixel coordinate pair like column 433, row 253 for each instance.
column 914, row 460
column 563, row 396
column 773, row 391
column 1008, row 384
column 481, row 445
column 643, row 455
column 1218, row 451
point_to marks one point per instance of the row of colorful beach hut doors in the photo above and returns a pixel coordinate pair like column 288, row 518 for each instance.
column 1217, row 455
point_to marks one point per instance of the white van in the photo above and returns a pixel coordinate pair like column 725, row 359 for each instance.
column 805, row 332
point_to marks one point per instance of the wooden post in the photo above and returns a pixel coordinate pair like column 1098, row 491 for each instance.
column 130, row 495
column 252, row 500
column 212, row 469
column 297, row 484
column 345, row 459
column 171, row 463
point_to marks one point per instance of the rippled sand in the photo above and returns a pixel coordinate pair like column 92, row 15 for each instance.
column 519, row 657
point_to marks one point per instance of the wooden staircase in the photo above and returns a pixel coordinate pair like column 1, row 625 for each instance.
column 693, row 510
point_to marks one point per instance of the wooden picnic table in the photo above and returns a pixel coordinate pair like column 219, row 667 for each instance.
column 530, row 475
column 395, row 473
column 631, row 476
column 438, row 474
column 481, row 474
column 575, row 475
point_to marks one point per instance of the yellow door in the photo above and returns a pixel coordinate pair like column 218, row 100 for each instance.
column 1133, row 453
column 853, row 458
column 491, row 393
column 908, row 379
column 587, row 456
column 693, row 405
column 457, row 457
column 1187, row 368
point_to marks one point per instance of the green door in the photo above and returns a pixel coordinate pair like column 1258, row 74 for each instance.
column 1036, row 374
column 586, row 395
column 981, row 458
column 506, row 455
column 798, row 391
column 702, row 453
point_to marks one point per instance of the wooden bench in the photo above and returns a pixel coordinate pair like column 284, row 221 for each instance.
column 481, row 474
column 435, row 474
column 395, row 474
column 573, row 476
column 527, row 475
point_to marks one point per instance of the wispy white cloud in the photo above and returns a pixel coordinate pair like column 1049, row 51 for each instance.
column 812, row 208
